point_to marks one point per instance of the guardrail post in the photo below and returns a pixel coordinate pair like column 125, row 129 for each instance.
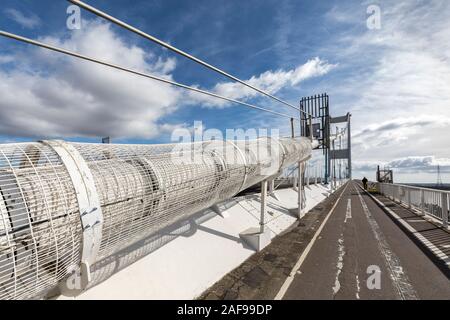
column 262, row 224
column 315, row 175
column 300, row 190
column 307, row 180
column 422, row 202
column 271, row 186
column 259, row 238
column 409, row 198
column 444, row 205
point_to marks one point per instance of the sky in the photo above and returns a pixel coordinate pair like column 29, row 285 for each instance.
column 391, row 74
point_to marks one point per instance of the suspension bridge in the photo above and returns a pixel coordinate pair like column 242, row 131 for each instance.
column 251, row 219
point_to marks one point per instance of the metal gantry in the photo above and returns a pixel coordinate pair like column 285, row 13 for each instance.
column 343, row 153
column 317, row 125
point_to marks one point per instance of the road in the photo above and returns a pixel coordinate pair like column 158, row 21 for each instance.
column 362, row 253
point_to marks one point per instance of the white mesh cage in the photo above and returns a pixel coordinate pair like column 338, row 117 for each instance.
column 40, row 232
column 140, row 188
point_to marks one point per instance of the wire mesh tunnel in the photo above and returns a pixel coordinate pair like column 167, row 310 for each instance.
column 135, row 191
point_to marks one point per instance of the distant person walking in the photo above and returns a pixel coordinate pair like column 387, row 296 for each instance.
column 364, row 181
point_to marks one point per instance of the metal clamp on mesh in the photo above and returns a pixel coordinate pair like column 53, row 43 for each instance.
column 88, row 202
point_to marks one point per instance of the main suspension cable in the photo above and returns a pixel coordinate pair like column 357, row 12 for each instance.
column 115, row 66
column 178, row 51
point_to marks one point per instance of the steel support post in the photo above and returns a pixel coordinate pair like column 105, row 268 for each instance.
column 308, row 176
column 349, row 146
column 271, row 186
column 262, row 224
column 422, row 202
column 294, row 185
column 300, row 190
column 409, row 197
column 292, row 128
column 444, row 205
column 333, row 170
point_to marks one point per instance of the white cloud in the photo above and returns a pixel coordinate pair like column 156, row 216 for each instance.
column 51, row 95
column 407, row 169
column 411, row 164
column 6, row 59
column 270, row 81
column 366, row 165
column 392, row 133
column 421, row 163
column 399, row 89
column 31, row 21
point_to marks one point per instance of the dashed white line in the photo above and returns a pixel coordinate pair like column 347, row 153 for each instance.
column 416, row 220
column 348, row 213
column 358, row 287
column 339, row 264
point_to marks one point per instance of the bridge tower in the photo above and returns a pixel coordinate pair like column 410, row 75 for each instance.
column 320, row 121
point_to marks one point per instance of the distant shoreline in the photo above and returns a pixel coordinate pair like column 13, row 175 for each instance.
column 445, row 186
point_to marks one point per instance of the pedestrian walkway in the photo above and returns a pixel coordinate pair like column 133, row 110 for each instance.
column 370, row 248
column 353, row 245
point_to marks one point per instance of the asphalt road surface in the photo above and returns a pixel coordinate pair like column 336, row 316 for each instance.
column 362, row 253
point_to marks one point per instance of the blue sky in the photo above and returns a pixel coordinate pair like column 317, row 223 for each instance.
column 394, row 80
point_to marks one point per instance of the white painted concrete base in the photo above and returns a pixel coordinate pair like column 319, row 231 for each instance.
column 255, row 239
column 198, row 253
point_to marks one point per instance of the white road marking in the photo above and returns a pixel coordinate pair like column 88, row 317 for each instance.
column 302, row 258
column 348, row 213
column 339, row 264
column 358, row 287
column 416, row 220
column 399, row 278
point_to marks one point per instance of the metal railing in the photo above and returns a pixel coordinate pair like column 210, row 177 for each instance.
column 431, row 202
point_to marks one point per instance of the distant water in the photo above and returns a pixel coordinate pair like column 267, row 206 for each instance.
column 445, row 186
